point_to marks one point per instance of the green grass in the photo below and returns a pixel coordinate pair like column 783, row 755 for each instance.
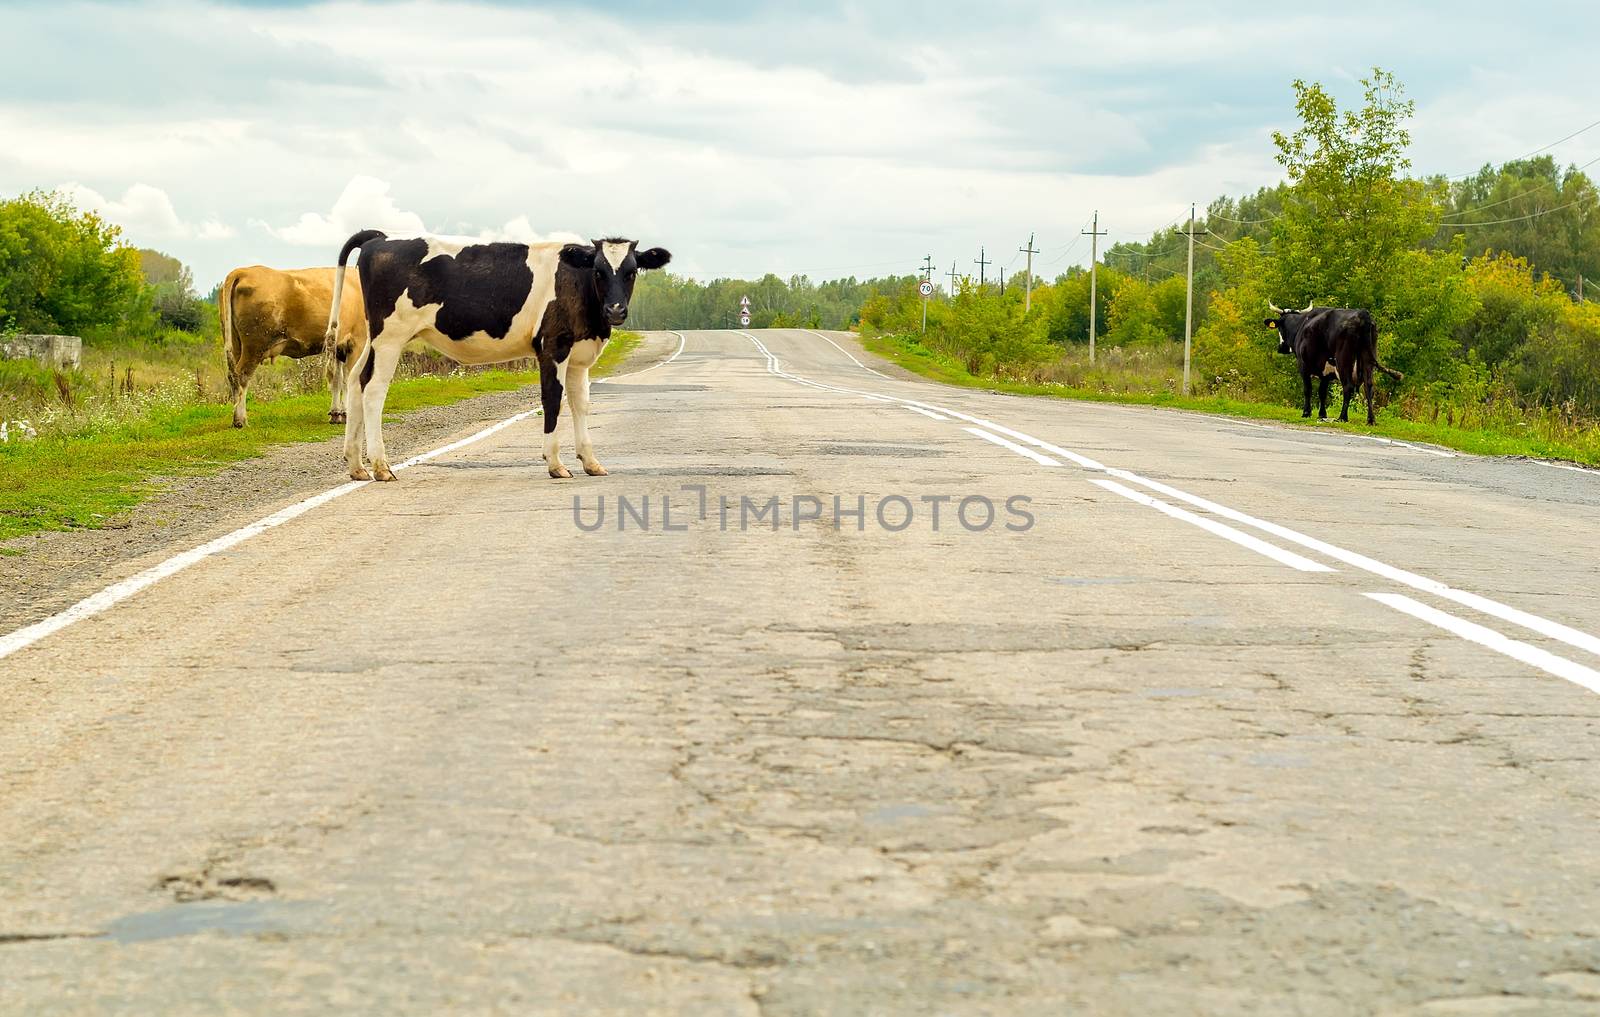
column 91, row 479
column 938, row 367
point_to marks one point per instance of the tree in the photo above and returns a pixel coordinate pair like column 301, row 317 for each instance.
column 62, row 270
column 1353, row 227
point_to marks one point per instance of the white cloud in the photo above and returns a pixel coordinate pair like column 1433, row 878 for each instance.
column 521, row 231
column 364, row 204
column 211, row 229
column 145, row 213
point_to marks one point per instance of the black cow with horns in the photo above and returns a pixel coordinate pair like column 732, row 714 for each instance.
column 486, row 303
column 1329, row 342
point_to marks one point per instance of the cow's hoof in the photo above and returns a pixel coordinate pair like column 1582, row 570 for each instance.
column 382, row 473
column 238, row 421
column 335, row 418
column 360, row 473
column 1305, row 416
column 594, row 470
column 560, row 473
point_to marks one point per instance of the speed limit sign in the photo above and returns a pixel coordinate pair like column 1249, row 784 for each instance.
column 926, row 289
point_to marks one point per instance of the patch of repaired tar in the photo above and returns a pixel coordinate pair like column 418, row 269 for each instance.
column 233, row 918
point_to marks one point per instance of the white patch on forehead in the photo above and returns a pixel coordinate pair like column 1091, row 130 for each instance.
column 615, row 253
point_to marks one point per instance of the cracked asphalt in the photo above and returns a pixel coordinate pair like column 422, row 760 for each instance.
column 434, row 747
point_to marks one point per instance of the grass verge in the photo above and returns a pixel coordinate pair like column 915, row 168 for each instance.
column 938, row 367
column 89, row 480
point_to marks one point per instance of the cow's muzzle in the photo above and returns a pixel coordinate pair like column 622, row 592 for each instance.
column 616, row 314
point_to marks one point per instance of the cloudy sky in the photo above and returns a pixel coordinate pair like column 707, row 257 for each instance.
column 824, row 138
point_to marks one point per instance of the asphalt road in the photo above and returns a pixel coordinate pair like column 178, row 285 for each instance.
column 1276, row 721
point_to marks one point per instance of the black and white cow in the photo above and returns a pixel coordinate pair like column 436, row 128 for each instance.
column 486, row 303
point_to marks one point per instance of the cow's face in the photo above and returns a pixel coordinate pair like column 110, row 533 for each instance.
column 1287, row 325
column 612, row 266
column 1285, row 329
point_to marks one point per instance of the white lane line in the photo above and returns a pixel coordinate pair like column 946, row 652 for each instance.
column 652, row 367
column 926, row 413
column 847, row 353
column 1020, row 450
column 116, row 593
column 1532, row 622
column 1567, row 466
column 1561, row 667
column 1543, row 626
column 1405, row 444
column 1239, row 537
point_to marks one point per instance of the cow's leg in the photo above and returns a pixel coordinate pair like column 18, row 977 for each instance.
column 355, row 420
column 338, row 374
column 1368, row 388
column 1322, row 398
column 1349, row 389
column 385, row 357
column 1306, row 378
column 578, row 399
column 550, row 386
column 239, row 378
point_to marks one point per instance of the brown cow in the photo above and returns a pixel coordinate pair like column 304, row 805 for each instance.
column 268, row 312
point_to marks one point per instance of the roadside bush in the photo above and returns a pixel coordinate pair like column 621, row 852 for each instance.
column 62, row 270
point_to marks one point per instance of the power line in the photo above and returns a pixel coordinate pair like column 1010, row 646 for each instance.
column 1243, row 222
column 1520, row 218
column 1542, row 148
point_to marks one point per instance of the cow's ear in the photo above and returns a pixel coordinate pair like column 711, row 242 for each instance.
column 1271, row 323
column 655, row 257
column 577, row 256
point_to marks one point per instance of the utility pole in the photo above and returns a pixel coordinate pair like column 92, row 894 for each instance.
column 1094, row 262
column 1188, row 304
column 981, row 262
column 1580, row 287
column 1027, row 300
column 927, row 277
column 1002, row 282
column 952, row 280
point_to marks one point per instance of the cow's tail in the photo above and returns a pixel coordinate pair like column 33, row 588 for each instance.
column 1372, row 344
column 330, row 338
column 230, row 334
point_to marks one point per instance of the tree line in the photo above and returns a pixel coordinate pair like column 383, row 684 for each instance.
column 664, row 300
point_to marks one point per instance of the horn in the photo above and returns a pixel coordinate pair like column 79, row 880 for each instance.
column 1308, row 307
column 1275, row 308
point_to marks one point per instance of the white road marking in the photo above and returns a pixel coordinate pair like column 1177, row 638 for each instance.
column 1405, row 444
column 118, row 592
column 926, row 413
column 1567, row 466
column 1561, row 667
column 1226, row 532
column 1543, row 626
column 652, row 367
column 1020, row 450
column 847, row 353
column 1532, row 622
